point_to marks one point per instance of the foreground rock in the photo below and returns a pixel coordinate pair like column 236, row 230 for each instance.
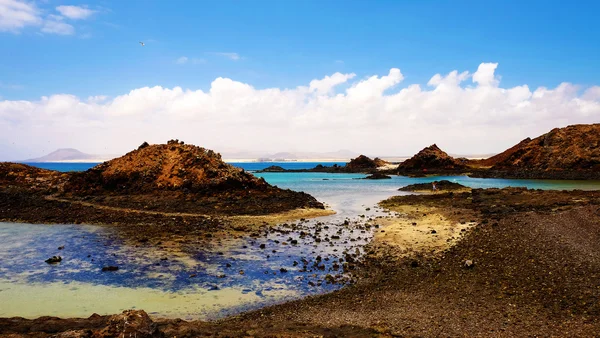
column 130, row 323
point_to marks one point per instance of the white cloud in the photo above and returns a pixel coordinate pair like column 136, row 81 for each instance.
column 55, row 25
column 326, row 84
column 484, row 76
column 16, row 15
column 75, row 12
column 230, row 56
column 367, row 115
column 184, row 59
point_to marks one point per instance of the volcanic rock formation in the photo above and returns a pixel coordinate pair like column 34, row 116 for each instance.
column 431, row 159
column 172, row 177
column 570, row 152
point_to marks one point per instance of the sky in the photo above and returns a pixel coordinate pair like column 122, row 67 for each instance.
column 376, row 77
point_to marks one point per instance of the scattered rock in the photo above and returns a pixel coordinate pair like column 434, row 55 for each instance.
column 53, row 260
column 110, row 268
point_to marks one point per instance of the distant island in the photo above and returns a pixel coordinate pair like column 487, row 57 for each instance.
column 69, row 155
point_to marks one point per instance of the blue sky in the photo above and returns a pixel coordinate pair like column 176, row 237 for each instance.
column 475, row 77
column 288, row 43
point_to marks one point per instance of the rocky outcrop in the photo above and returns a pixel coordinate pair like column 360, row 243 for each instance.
column 35, row 179
column 172, row 177
column 272, row 169
column 443, row 185
column 377, row 176
column 431, row 160
column 362, row 162
column 174, row 166
column 572, row 152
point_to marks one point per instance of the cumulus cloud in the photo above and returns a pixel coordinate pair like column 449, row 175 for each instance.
column 377, row 115
column 15, row 15
column 182, row 60
column 326, row 84
column 75, row 12
column 54, row 24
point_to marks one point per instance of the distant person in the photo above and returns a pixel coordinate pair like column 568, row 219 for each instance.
column 433, row 186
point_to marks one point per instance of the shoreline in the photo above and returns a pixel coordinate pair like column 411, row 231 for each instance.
column 531, row 234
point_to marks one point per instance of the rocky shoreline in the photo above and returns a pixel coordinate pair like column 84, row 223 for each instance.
column 527, row 265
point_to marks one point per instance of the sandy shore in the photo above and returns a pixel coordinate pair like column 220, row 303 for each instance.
column 419, row 230
column 535, row 264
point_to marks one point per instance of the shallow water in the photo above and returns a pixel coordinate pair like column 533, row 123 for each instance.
column 201, row 286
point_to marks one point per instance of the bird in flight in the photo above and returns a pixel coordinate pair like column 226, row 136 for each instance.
column 143, row 44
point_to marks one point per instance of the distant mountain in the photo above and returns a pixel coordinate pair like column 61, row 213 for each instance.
column 68, row 155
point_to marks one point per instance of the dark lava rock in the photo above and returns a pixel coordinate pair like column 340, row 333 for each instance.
column 110, row 268
column 53, row 260
column 443, row 185
column 272, row 169
column 377, row 176
column 283, row 270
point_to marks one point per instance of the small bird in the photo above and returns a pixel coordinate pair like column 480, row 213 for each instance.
column 143, row 44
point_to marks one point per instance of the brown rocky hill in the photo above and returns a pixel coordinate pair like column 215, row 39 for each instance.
column 172, row 177
column 362, row 162
column 573, row 148
column 431, row 158
column 503, row 156
column 174, row 166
